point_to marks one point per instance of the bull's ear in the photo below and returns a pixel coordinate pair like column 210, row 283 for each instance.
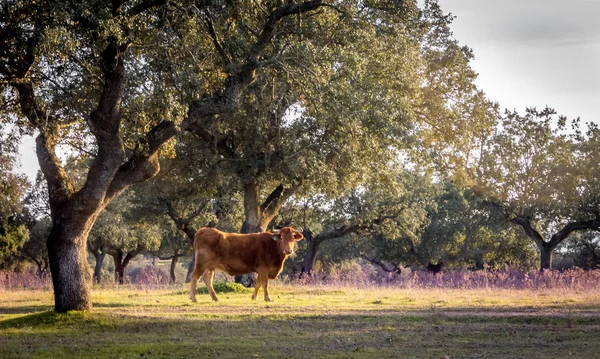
column 298, row 236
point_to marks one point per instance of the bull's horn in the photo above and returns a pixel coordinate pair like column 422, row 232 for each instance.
column 298, row 230
column 276, row 230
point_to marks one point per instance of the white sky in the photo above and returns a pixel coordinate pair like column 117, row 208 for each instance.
column 527, row 53
column 534, row 52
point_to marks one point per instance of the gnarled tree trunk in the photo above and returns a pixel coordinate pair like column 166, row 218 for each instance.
column 310, row 259
column 174, row 261
column 546, row 252
column 547, row 248
column 257, row 216
column 119, row 267
column 98, row 267
column 71, row 276
column 121, row 262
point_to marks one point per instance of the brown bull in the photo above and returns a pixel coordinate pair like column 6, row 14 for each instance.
column 235, row 254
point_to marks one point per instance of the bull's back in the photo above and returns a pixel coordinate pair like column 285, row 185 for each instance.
column 231, row 252
column 208, row 238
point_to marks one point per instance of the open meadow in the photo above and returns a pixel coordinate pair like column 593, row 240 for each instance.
column 306, row 322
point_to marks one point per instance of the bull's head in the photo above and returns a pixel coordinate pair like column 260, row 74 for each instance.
column 286, row 238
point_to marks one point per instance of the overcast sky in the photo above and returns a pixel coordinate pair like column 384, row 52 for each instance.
column 534, row 52
column 527, row 53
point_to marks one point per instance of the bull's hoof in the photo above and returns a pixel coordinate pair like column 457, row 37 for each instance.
column 194, row 300
column 267, row 299
column 253, row 297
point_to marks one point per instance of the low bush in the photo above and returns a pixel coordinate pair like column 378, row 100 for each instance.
column 225, row 287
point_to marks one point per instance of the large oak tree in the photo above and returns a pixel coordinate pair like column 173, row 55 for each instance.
column 544, row 175
column 104, row 77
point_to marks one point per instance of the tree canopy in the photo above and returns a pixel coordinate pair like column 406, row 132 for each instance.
column 543, row 176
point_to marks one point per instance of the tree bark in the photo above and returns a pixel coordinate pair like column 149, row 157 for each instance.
column 251, row 209
column 546, row 257
column 547, row 248
column 119, row 269
column 71, row 275
column 174, row 261
column 98, row 267
column 311, row 254
column 121, row 262
column 191, row 267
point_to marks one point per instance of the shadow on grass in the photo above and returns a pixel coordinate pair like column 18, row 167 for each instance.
column 30, row 320
column 293, row 335
column 115, row 305
column 25, row 309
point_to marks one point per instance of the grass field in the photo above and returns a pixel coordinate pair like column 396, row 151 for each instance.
column 306, row 322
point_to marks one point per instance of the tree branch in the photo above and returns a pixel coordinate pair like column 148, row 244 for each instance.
column 183, row 224
column 143, row 164
column 395, row 268
column 354, row 228
column 561, row 235
column 215, row 39
column 241, row 75
column 104, row 123
column 144, row 6
column 273, row 203
column 60, row 188
column 531, row 232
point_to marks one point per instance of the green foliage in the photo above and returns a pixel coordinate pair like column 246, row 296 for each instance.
column 531, row 164
column 12, row 239
column 393, row 241
column 35, row 249
column 454, row 117
column 465, row 230
column 225, row 287
column 13, row 231
column 542, row 176
column 194, row 187
column 583, row 250
column 120, row 228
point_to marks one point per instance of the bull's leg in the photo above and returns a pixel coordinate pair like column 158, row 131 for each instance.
column 208, row 279
column 257, row 286
column 265, row 285
column 194, row 280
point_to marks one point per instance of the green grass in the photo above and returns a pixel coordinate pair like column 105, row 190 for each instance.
column 305, row 322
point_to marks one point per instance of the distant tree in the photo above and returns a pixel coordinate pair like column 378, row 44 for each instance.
column 584, row 248
column 544, row 177
column 35, row 249
column 392, row 208
column 13, row 231
column 390, row 246
column 98, row 245
column 173, row 246
column 463, row 230
column 127, row 244
column 123, row 232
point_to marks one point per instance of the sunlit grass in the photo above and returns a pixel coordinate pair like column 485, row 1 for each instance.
column 305, row 321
